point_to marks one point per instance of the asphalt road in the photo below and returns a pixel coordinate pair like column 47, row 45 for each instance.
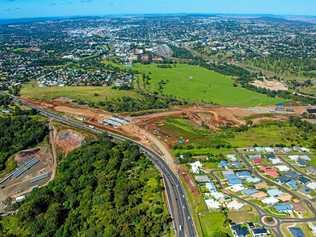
column 262, row 213
column 280, row 186
column 177, row 203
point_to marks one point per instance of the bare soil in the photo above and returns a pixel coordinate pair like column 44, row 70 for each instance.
column 68, row 140
column 271, row 85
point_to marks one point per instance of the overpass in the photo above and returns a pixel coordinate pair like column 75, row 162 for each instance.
column 177, row 203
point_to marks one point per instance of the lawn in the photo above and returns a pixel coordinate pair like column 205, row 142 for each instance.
column 203, row 141
column 313, row 163
column 114, row 64
column 244, row 215
column 267, row 135
column 213, row 224
column 208, row 224
column 197, row 84
column 79, row 93
column 178, row 127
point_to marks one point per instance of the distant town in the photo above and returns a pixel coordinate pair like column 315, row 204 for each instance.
column 158, row 125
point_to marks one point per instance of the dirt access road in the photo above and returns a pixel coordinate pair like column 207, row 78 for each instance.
column 213, row 116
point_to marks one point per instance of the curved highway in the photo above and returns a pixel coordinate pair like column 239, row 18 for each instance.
column 177, row 204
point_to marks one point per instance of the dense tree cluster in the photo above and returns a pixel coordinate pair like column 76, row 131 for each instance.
column 283, row 65
column 131, row 104
column 17, row 133
column 224, row 68
column 181, row 52
column 5, row 100
column 101, row 189
column 303, row 125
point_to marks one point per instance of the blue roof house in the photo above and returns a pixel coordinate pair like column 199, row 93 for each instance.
column 284, row 179
column 274, row 192
column 249, row 191
column 296, row 232
column 223, row 164
column 283, row 207
column 210, row 187
column 239, row 230
column 233, row 179
column 303, row 179
column 243, row 174
column 259, row 232
column 302, row 162
column 236, row 164
column 292, row 183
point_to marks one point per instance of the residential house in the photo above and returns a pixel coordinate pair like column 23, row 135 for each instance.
column 285, row 197
column 312, row 185
column 269, row 171
column 218, row 196
column 237, row 188
column 239, row 230
column 298, row 207
column 312, row 227
column 302, row 162
column 288, row 176
column 304, row 180
column 231, row 157
column 283, row 207
column 262, row 185
column 270, row 201
column 196, row 167
column 292, row 184
column 249, row 191
column 282, row 168
column 259, row 232
column 232, row 178
column 223, row 164
column 274, row 192
column 210, row 187
column 235, row 205
column 212, row 204
column 259, row 195
column 257, row 161
column 296, row 232
column 243, row 174
column 202, row 179
column 275, row 161
column 236, row 164
column 253, row 180
column 294, row 157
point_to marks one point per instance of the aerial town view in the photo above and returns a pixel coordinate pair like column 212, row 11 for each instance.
column 157, row 118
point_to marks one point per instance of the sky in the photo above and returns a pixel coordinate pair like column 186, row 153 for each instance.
column 49, row 8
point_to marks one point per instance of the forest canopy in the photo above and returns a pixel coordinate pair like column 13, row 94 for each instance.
column 101, row 189
column 18, row 133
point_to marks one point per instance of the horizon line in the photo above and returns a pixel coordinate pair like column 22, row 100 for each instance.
column 147, row 14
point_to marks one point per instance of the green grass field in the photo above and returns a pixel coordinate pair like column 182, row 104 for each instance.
column 203, row 141
column 310, row 90
column 114, row 64
column 197, row 84
column 83, row 93
column 208, row 224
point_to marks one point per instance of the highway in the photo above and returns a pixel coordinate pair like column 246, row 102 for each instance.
column 177, row 203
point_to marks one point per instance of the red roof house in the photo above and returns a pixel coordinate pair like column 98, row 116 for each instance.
column 270, row 171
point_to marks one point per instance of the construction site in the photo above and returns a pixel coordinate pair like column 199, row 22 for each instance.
column 34, row 169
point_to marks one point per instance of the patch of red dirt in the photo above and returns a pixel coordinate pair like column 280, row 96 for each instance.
column 68, row 140
column 41, row 154
column 190, row 183
column 25, row 155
